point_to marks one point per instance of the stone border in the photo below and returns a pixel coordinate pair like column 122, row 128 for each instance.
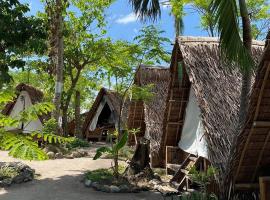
column 111, row 188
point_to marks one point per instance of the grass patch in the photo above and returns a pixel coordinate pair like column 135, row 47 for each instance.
column 99, row 175
column 103, row 175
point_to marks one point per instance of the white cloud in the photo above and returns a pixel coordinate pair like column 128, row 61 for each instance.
column 127, row 19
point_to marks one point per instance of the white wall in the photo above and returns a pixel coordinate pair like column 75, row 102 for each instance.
column 18, row 107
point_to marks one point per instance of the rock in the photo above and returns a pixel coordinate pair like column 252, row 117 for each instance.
column 105, row 188
column 114, row 189
column 68, row 157
column 59, row 156
column 6, row 182
column 87, row 182
column 76, row 154
column 124, row 188
column 51, row 155
column 154, row 182
column 24, row 173
column 96, row 186
column 135, row 190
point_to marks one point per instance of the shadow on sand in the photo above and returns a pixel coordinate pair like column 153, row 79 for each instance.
column 66, row 188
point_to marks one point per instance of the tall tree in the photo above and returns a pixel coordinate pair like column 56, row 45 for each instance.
column 55, row 10
column 85, row 46
column 19, row 34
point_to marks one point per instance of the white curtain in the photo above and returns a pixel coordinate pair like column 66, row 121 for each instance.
column 192, row 138
column 93, row 124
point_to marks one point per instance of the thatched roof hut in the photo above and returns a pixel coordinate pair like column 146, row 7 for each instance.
column 104, row 114
column 197, row 68
column 26, row 96
column 251, row 158
column 148, row 115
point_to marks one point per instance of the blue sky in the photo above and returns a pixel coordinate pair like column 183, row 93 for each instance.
column 122, row 23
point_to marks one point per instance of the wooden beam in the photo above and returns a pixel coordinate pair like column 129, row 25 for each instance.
column 257, row 113
column 243, row 186
column 254, row 119
column 261, row 123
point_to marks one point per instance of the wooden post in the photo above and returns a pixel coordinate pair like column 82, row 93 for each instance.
column 264, row 188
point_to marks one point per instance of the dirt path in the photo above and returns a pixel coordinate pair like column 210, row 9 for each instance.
column 61, row 180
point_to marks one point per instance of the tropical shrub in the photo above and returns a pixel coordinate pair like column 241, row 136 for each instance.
column 77, row 143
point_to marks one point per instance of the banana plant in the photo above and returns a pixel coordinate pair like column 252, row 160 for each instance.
column 114, row 151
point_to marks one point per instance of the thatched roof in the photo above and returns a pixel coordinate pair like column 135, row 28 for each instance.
column 217, row 87
column 115, row 99
column 251, row 157
column 154, row 109
column 36, row 96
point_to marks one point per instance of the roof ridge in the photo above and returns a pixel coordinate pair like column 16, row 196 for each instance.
column 153, row 66
column 199, row 39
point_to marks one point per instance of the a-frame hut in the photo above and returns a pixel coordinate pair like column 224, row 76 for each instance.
column 103, row 116
column 251, row 159
column 202, row 107
column 26, row 96
column 148, row 115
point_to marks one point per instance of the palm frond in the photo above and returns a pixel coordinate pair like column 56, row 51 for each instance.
column 146, row 9
column 232, row 47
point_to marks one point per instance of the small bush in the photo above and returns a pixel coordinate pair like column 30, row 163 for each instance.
column 7, row 172
column 77, row 143
column 103, row 174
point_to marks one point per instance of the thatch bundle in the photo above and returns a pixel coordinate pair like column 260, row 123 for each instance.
column 150, row 113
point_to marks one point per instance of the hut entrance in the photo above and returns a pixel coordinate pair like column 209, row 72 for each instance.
column 105, row 123
column 105, row 118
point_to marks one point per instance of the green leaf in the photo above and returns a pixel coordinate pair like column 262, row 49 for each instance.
column 101, row 151
column 119, row 145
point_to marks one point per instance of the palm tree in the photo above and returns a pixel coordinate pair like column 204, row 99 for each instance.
column 235, row 47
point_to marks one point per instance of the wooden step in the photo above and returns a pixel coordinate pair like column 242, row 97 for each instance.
column 184, row 171
column 193, row 158
column 174, row 167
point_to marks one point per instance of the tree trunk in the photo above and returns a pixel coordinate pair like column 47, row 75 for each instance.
column 78, row 131
column 140, row 160
column 246, row 75
column 65, row 120
column 59, row 61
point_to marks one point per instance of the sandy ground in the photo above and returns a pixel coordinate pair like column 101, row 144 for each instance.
column 61, row 180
